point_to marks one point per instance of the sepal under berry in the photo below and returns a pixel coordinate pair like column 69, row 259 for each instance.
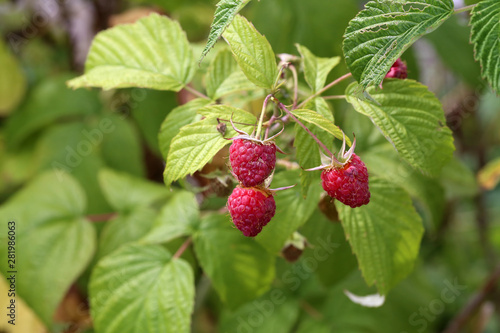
column 342, row 158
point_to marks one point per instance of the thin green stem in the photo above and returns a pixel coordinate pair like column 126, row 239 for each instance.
column 295, row 85
column 321, row 144
column 464, row 9
column 261, row 119
column 335, row 97
column 328, row 86
column 196, row 92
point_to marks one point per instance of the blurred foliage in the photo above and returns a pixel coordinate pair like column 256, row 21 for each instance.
column 94, row 138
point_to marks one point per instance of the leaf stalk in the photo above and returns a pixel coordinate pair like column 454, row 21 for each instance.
column 325, row 88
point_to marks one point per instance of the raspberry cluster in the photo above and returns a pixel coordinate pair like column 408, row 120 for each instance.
column 251, row 204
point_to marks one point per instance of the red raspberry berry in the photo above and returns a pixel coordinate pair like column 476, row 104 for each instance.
column 398, row 70
column 349, row 183
column 251, row 209
column 252, row 162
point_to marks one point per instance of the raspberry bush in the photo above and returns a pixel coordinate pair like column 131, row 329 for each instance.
column 296, row 171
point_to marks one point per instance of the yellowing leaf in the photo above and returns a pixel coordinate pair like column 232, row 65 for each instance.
column 152, row 53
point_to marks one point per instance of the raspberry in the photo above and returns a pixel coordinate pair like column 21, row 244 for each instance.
column 251, row 209
column 252, row 162
column 349, row 183
column 398, row 70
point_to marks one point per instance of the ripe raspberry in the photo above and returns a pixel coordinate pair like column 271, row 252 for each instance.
column 348, row 184
column 251, row 209
column 252, row 162
column 398, row 70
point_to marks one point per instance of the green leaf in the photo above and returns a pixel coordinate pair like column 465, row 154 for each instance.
column 197, row 143
column 220, row 68
column 320, row 121
column 308, row 156
column 307, row 149
column 321, row 106
column 340, row 312
column 54, row 242
column 224, row 14
column 176, row 119
column 122, row 133
column 292, row 210
column 126, row 227
column 141, row 288
column 429, row 195
column 329, row 248
column 12, row 81
column 485, row 35
column 64, row 149
column 225, row 112
column 252, row 52
column 82, row 149
column 179, row 217
column 147, row 115
column 279, row 309
column 309, row 324
column 134, row 200
column 151, row 53
column 236, row 82
column 239, row 268
column 224, row 76
column 381, row 32
column 385, row 234
column 316, row 69
column 411, row 118
column 46, row 103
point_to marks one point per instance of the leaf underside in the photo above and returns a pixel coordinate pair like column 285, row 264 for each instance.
column 411, row 118
column 485, row 35
column 381, row 32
